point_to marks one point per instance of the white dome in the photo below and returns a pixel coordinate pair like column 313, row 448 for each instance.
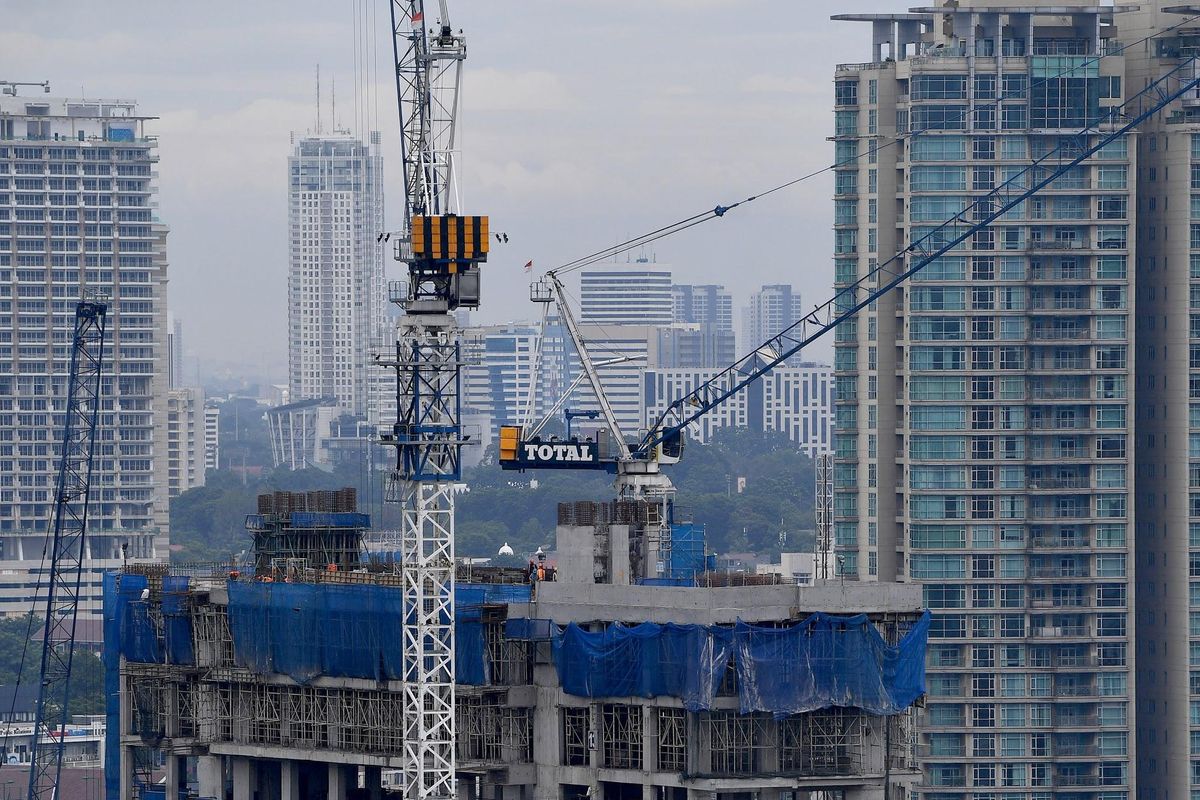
column 505, row 550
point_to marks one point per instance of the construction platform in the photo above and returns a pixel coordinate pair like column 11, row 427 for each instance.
column 247, row 686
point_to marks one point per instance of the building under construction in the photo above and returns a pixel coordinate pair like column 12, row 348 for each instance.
column 283, row 679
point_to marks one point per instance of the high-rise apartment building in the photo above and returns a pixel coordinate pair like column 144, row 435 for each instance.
column 336, row 288
column 1167, row 416
column 185, row 440
column 212, row 437
column 771, row 309
column 984, row 410
column 626, row 294
column 77, row 197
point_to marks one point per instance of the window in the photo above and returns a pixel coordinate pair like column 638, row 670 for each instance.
column 938, row 178
column 948, row 117
column 845, row 123
column 845, row 93
column 938, row 148
column 939, row 87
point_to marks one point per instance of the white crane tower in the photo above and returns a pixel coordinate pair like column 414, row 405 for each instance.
column 443, row 251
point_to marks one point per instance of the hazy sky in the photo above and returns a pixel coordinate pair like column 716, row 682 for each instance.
column 584, row 123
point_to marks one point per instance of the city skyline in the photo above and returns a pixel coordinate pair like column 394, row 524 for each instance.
column 559, row 203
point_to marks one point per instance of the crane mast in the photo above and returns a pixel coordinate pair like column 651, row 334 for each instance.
column 67, row 547
column 443, row 252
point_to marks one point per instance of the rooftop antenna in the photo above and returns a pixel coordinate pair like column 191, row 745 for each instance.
column 318, row 99
column 333, row 104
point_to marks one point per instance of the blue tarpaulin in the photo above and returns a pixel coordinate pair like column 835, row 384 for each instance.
column 308, row 630
column 177, row 620
column 821, row 662
column 119, row 591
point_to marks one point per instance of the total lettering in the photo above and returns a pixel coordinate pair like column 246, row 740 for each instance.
column 558, row 452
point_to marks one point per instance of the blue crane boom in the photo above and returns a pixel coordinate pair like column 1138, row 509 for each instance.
column 67, row 547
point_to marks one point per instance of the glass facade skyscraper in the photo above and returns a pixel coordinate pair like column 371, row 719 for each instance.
column 984, row 410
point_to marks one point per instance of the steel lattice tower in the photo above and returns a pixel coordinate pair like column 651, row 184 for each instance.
column 67, row 547
column 443, row 251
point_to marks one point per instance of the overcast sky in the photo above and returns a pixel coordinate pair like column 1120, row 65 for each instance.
column 584, row 123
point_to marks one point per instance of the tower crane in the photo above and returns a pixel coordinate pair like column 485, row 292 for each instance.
column 636, row 463
column 443, row 252
column 67, row 547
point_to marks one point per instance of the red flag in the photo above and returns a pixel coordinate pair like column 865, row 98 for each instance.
column 529, row 266
column 417, row 18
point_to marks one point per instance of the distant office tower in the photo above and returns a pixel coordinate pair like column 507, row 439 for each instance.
column 695, row 346
column 212, row 437
column 77, row 200
column 499, row 376
column 797, row 401
column 983, row 411
column 622, row 381
column 175, row 377
column 185, row 440
column 771, row 309
column 336, row 292
column 703, row 332
column 703, row 305
column 626, row 294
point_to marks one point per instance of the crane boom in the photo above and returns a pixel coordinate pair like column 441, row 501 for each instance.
column 589, row 367
column 67, row 547
column 847, row 302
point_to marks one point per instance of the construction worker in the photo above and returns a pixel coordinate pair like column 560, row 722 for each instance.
column 541, row 571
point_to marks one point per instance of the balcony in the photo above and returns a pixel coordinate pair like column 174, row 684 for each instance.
column 1075, row 721
column 1059, row 632
column 1061, row 571
column 1060, row 602
column 1057, row 245
column 1059, row 542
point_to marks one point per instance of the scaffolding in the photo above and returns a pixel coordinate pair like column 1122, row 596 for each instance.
column 298, row 530
column 828, row 742
column 671, row 752
column 621, row 730
column 490, row 732
column 576, row 735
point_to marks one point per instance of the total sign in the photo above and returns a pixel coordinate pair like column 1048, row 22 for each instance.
column 572, row 454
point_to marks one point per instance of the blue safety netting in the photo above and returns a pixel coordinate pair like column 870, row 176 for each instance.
column 820, row 662
column 139, row 636
column 647, row 660
column 177, row 621
column 687, row 552
column 119, row 591
column 308, row 630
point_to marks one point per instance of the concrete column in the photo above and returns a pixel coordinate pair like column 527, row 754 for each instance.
column 289, row 780
column 337, row 782
column 243, row 779
column 210, row 773
column 173, row 776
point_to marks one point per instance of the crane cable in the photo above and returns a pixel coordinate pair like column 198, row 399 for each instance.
column 720, row 210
